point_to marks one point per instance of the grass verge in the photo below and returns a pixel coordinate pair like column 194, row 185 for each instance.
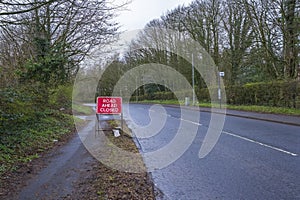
column 107, row 183
column 250, row 108
column 114, row 184
column 79, row 109
column 27, row 140
column 267, row 109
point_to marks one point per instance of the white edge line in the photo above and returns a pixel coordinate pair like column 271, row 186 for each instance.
column 262, row 144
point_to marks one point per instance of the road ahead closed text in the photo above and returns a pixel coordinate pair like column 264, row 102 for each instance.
column 109, row 105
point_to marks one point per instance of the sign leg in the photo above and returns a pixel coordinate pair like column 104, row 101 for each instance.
column 122, row 122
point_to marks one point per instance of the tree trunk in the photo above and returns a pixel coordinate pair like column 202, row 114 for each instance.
column 290, row 37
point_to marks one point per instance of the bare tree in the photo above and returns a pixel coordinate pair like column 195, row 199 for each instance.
column 57, row 34
column 239, row 38
column 14, row 7
column 277, row 29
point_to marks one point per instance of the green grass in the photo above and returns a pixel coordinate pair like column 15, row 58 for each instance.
column 25, row 141
column 171, row 102
column 251, row 108
column 266, row 109
column 81, row 109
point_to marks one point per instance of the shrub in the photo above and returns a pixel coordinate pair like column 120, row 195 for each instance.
column 280, row 93
column 276, row 94
column 15, row 107
column 61, row 97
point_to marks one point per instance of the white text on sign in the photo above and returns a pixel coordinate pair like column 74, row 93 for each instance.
column 109, row 105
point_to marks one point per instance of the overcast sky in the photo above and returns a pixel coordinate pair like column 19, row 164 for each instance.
column 140, row 12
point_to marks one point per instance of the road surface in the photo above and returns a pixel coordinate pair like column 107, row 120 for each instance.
column 252, row 159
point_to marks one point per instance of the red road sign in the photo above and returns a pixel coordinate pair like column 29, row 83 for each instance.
column 109, row 105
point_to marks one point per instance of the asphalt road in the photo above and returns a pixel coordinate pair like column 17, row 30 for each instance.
column 252, row 159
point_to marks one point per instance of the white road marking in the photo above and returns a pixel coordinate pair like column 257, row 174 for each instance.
column 198, row 124
column 240, row 137
column 262, row 144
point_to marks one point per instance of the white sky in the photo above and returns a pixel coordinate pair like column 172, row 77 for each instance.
column 140, row 12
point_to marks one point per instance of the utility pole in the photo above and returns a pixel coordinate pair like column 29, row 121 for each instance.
column 193, row 79
column 136, row 90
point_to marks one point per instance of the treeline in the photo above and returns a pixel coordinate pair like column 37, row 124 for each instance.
column 42, row 43
column 251, row 41
column 284, row 94
column 45, row 41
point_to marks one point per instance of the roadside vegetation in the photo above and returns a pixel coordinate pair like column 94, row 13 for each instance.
column 42, row 44
column 30, row 124
column 79, row 109
column 114, row 184
column 106, row 183
column 260, row 109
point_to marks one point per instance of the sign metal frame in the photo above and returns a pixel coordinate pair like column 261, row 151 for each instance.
column 106, row 105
